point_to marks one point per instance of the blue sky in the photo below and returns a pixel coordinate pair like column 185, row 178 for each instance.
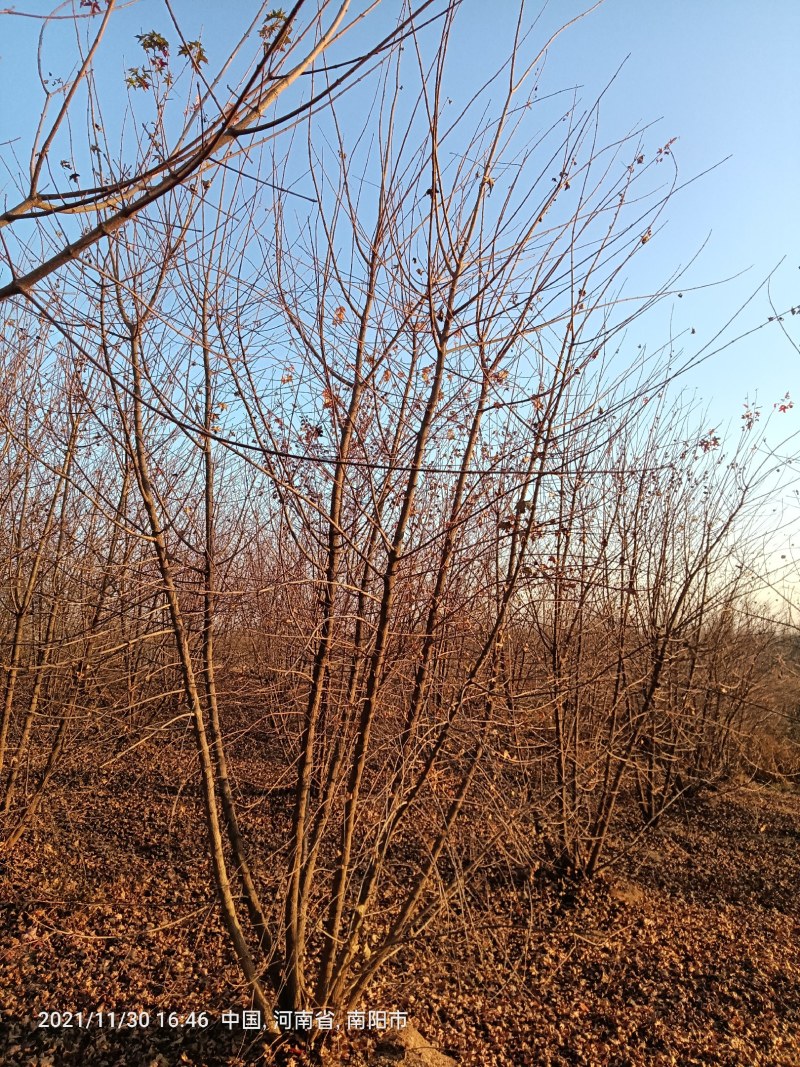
column 719, row 75
column 722, row 77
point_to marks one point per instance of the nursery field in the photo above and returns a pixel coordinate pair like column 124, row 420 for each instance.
column 684, row 953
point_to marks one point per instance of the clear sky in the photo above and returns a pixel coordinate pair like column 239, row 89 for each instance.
column 719, row 75
column 723, row 77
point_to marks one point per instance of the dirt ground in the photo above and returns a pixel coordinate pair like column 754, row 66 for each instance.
column 688, row 952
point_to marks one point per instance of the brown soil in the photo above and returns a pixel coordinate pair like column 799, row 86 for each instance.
column 686, row 953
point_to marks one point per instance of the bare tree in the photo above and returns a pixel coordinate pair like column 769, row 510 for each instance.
column 380, row 491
